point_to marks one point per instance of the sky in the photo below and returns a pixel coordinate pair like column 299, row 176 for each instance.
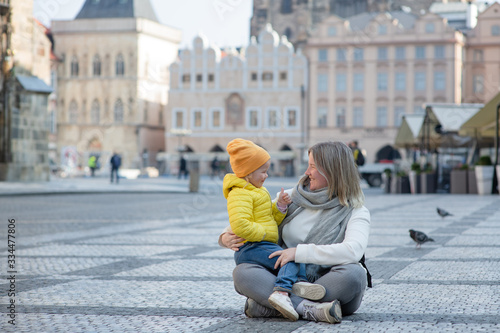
column 225, row 23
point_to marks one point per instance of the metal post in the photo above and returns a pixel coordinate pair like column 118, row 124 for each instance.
column 494, row 188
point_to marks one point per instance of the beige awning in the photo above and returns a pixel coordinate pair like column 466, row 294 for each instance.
column 482, row 124
column 408, row 133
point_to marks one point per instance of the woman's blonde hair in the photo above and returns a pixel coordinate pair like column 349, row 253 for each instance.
column 334, row 160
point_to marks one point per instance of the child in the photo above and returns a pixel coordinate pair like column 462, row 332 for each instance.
column 255, row 218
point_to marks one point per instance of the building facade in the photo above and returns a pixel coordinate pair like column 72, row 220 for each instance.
column 25, row 89
column 369, row 70
column 299, row 19
column 112, row 83
column 257, row 93
column 482, row 65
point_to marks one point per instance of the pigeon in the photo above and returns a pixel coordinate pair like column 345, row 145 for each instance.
column 443, row 213
column 419, row 237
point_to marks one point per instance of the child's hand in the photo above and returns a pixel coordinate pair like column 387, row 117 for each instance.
column 284, row 199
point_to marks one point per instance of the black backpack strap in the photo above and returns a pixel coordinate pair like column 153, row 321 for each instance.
column 368, row 275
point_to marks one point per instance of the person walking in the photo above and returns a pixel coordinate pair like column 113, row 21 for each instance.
column 183, row 168
column 359, row 158
column 116, row 162
column 92, row 165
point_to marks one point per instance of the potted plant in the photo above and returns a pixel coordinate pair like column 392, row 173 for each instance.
column 458, row 180
column 387, row 180
column 402, row 182
column 428, row 179
column 415, row 178
column 484, row 175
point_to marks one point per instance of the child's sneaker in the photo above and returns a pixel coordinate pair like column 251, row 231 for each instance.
column 308, row 290
column 284, row 305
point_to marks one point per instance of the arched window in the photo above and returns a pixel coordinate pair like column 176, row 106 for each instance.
column 97, row 65
column 119, row 65
column 118, row 112
column 286, row 6
column 95, row 112
column 73, row 112
column 74, row 66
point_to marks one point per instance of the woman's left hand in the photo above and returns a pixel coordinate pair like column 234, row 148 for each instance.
column 286, row 256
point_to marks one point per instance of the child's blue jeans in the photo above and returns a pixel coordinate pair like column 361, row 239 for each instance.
column 258, row 253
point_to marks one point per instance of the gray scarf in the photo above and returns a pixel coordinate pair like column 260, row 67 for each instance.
column 330, row 226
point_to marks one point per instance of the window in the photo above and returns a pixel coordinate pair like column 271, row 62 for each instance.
column 477, row 56
column 272, row 118
column 332, row 31
column 283, row 76
column 119, row 66
column 341, row 82
column 400, row 81
column 439, row 52
column 210, row 77
column 267, row 76
column 322, row 116
column 322, row 82
column 382, row 82
column 477, row 83
column 429, row 28
column 74, row 66
column 197, row 119
column 340, row 114
column 178, row 118
column 358, row 82
column 253, row 118
column 400, row 53
column 420, row 52
column 292, row 118
column 118, row 112
column 286, row 6
column 382, row 29
column 341, row 55
column 382, row 53
column 357, row 120
column 322, row 55
column 254, row 76
column 216, row 119
column 495, row 30
column 199, row 77
column 95, row 111
column 420, row 81
column 358, row 54
column 439, row 81
column 96, row 65
column 399, row 112
column 288, row 33
column 417, row 109
column 381, row 116
column 186, row 78
column 73, row 112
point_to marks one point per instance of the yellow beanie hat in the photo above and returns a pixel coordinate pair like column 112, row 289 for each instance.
column 246, row 157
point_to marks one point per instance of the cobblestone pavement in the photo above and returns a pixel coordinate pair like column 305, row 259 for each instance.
column 149, row 262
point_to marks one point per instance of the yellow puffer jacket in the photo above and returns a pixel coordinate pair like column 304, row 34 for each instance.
column 252, row 214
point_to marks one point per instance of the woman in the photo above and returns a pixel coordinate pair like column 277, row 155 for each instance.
column 327, row 228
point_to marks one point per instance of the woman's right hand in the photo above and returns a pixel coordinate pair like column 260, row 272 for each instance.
column 231, row 241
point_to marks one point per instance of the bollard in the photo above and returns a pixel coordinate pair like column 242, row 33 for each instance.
column 194, row 176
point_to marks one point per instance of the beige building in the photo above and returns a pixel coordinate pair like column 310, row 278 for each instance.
column 369, row 70
column 25, row 89
column 256, row 93
column 482, row 65
column 113, row 82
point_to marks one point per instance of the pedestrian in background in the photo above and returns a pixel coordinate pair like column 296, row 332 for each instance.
column 116, row 162
column 359, row 158
column 183, row 168
column 92, row 165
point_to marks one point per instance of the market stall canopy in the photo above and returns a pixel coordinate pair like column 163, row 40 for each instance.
column 444, row 121
column 409, row 130
column 482, row 124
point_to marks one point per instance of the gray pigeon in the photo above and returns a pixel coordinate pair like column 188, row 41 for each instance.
column 443, row 213
column 419, row 237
